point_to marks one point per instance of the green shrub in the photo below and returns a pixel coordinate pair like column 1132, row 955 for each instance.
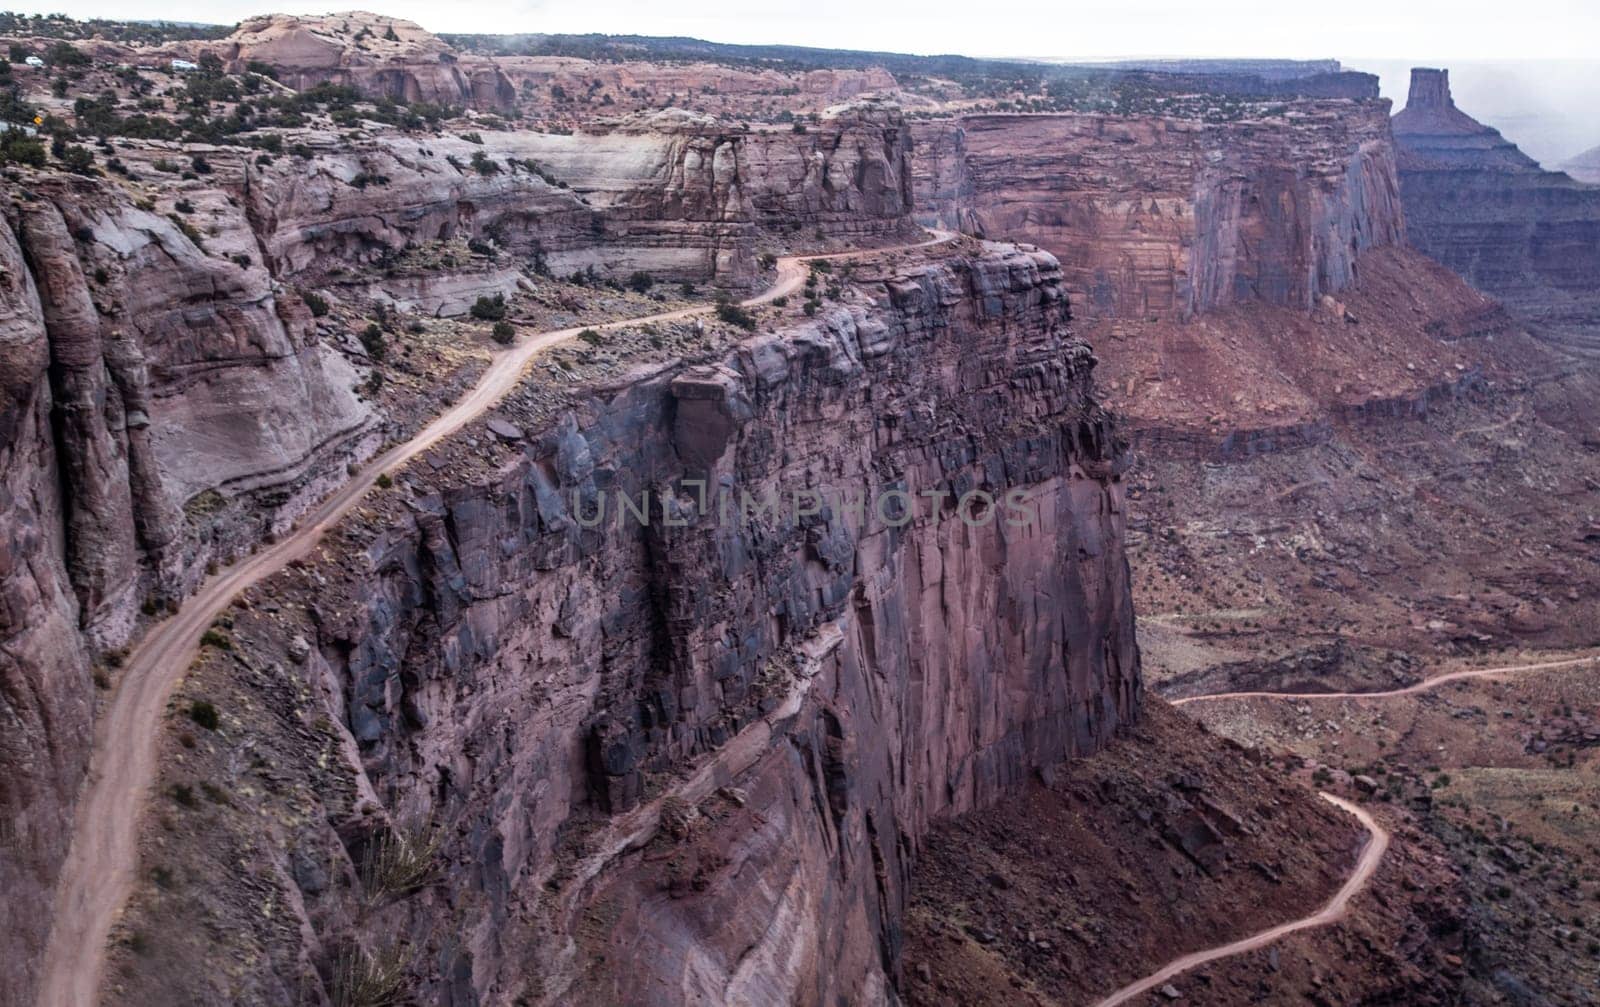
column 641, row 282
column 591, row 337
column 504, row 333
column 214, row 637
column 383, row 481
column 373, row 342
column 489, row 309
column 204, row 714
column 735, row 315
column 316, row 302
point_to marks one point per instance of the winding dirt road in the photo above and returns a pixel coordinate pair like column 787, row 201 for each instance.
column 1335, row 910
column 1410, row 690
column 1338, row 906
column 98, row 873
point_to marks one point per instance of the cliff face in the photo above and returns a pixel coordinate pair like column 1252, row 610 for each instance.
column 1168, row 217
column 688, row 760
column 674, row 193
column 1480, row 206
column 141, row 375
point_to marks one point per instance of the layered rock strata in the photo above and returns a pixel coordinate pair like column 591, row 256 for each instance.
column 1166, row 217
column 690, row 759
column 673, row 193
column 1479, row 205
column 147, row 384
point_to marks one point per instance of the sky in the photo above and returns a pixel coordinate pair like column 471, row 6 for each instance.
column 1056, row 29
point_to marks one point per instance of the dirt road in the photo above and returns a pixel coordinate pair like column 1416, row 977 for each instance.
column 99, row 870
column 1410, row 690
column 1335, row 910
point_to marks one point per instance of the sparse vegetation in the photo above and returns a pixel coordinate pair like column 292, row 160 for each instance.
column 216, row 637
column 363, row 980
column 735, row 315
column 504, row 333
column 398, row 862
column 204, row 714
column 489, row 309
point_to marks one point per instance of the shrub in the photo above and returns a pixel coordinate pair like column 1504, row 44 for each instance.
column 591, row 337
column 484, row 164
column 200, row 165
column 16, row 147
column 184, row 795
column 735, row 315
column 504, row 333
column 383, row 481
column 781, row 302
column 204, row 714
column 399, row 862
column 372, row 341
column 472, row 137
column 183, row 206
column 316, row 302
column 362, row 980
column 811, row 306
column 641, row 282
column 489, row 309
column 214, row 637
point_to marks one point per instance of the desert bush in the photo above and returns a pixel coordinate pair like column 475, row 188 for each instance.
column 363, row 980
column 204, row 714
column 398, row 862
column 735, row 315
column 489, row 309
column 504, row 333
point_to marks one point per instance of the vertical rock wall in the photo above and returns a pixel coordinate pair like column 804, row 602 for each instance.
column 1163, row 217
column 693, row 758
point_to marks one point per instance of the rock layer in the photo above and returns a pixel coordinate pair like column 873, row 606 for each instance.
column 1169, row 217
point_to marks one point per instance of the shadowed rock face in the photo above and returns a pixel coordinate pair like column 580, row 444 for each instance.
column 1169, row 218
column 1488, row 211
column 566, row 701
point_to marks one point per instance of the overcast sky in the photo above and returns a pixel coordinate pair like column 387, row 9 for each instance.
column 1436, row 30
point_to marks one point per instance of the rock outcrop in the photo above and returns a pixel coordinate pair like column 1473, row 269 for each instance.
column 380, row 56
column 689, row 759
column 676, row 194
column 1479, row 205
column 1171, row 217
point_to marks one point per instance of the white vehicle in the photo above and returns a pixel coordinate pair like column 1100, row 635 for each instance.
column 34, row 61
column 184, row 66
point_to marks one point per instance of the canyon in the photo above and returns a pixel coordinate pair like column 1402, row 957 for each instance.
column 770, row 631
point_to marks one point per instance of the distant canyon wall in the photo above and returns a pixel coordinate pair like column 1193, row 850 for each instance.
column 1481, row 206
column 1168, row 218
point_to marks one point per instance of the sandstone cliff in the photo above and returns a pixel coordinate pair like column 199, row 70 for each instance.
column 163, row 407
column 689, row 760
column 674, row 193
column 1479, row 205
column 1172, row 217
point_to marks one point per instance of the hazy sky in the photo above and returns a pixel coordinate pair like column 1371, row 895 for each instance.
column 1395, row 29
